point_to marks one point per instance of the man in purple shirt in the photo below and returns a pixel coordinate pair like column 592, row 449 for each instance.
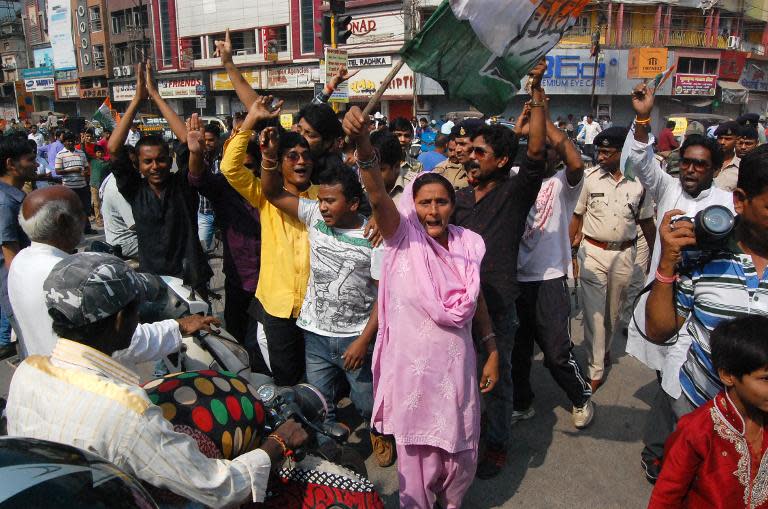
column 55, row 147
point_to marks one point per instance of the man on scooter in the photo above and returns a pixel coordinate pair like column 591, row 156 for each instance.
column 79, row 395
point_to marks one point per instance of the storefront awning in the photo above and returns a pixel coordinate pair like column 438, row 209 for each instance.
column 733, row 92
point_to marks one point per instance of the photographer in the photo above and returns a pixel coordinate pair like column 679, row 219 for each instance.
column 691, row 296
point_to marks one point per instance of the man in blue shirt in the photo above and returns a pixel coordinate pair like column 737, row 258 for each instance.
column 431, row 159
column 55, row 147
column 18, row 164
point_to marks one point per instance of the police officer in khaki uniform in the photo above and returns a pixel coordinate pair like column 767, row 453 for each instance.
column 462, row 135
column 606, row 218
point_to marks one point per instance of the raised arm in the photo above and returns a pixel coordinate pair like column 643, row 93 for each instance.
column 117, row 140
column 178, row 126
column 243, row 89
column 574, row 166
column 341, row 76
column 537, row 134
column 271, row 176
column 195, row 143
column 640, row 156
column 384, row 210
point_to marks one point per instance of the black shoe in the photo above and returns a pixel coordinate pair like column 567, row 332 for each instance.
column 652, row 468
column 491, row 463
column 7, row 351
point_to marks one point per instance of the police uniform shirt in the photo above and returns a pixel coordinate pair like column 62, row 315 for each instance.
column 612, row 209
column 454, row 172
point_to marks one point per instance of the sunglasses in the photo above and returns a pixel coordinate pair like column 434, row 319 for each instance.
column 698, row 164
column 479, row 151
column 295, row 156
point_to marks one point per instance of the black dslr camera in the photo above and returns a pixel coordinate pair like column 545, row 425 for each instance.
column 712, row 227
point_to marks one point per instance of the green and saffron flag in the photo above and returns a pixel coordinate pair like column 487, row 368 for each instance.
column 104, row 114
column 480, row 50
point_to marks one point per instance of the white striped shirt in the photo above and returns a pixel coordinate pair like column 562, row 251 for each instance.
column 66, row 160
column 81, row 397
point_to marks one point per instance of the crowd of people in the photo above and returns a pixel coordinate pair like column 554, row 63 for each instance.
column 418, row 286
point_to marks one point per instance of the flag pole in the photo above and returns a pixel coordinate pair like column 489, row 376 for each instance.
column 383, row 87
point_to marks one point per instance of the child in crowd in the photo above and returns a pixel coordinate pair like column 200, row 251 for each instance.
column 716, row 456
column 99, row 171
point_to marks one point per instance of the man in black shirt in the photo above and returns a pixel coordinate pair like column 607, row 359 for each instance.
column 497, row 208
column 163, row 203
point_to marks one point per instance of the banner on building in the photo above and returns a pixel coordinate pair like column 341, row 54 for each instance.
column 367, row 81
column 43, row 57
column 60, row 33
column 646, row 62
column 755, row 76
column 67, row 90
column 169, row 89
column 220, row 80
column 695, row 84
column 335, row 59
column 731, row 65
column 37, row 72
column 292, row 76
column 270, row 43
column 39, row 84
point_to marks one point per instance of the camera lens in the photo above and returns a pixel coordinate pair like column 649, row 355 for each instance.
column 717, row 220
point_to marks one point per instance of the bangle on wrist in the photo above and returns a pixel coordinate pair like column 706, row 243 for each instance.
column 487, row 338
column 667, row 280
column 642, row 121
column 269, row 168
column 367, row 164
column 277, row 438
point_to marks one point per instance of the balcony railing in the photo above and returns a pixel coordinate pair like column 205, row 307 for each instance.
column 644, row 37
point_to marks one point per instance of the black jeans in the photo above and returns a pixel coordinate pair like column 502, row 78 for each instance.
column 236, row 302
column 285, row 346
column 543, row 309
column 84, row 193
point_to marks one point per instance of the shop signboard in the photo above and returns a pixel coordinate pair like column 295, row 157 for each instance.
column 169, row 89
column 60, row 32
column 94, row 93
column 379, row 29
column 123, row 91
column 571, row 71
column 291, row 76
column 754, row 76
column 379, row 61
column 367, row 81
column 731, row 65
column 67, row 90
column 37, row 72
column 39, row 84
column 220, row 80
column 646, row 62
column 695, row 84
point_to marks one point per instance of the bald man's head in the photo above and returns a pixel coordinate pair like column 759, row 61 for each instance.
column 54, row 216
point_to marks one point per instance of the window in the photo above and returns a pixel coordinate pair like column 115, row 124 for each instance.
column 166, row 45
column 98, row 56
column 307, row 27
column 197, row 48
column 282, row 39
column 244, row 43
column 117, row 22
column 690, row 65
column 94, row 15
column 582, row 26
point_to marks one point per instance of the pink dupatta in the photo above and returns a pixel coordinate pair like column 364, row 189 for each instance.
column 425, row 388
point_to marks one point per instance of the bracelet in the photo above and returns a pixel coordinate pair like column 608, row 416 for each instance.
column 647, row 121
column 371, row 163
column 667, row 280
column 536, row 104
column 487, row 338
column 277, row 438
column 268, row 168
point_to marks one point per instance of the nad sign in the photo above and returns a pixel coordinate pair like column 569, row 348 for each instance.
column 570, row 72
column 374, row 30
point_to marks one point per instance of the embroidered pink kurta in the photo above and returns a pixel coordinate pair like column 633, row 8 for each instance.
column 424, row 369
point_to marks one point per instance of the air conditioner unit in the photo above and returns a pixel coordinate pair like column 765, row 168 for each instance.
column 117, row 71
column 734, row 42
column 126, row 70
column 241, row 52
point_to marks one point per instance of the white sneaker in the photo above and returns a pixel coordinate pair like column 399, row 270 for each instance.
column 582, row 416
column 521, row 415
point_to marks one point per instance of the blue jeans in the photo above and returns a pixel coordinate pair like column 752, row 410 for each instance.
column 5, row 329
column 325, row 370
column 205, row 229
column 499, row 400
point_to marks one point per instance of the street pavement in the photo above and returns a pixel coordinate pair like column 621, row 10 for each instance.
column 550, row 464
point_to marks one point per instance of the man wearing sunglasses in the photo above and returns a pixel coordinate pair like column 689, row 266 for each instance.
column 693, row 191
column 456, row 167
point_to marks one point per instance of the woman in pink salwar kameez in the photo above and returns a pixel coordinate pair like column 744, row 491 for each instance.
column 424, row 372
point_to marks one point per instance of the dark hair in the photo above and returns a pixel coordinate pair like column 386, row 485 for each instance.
column 98, row 148
column 753, row 172
column 346, row 177
column 323, row 120
column 433, row 178
column 152, row 140
column 424, row 119
column 697, row 140
column 214, row 129
column 740, row 346
column 502, row 140
column 70, row 136
column 14, row 147
column 671, row 124
column 400, row 124
column 589, row 115
column 390, row 151
column 442, row 141
column 289, row 140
